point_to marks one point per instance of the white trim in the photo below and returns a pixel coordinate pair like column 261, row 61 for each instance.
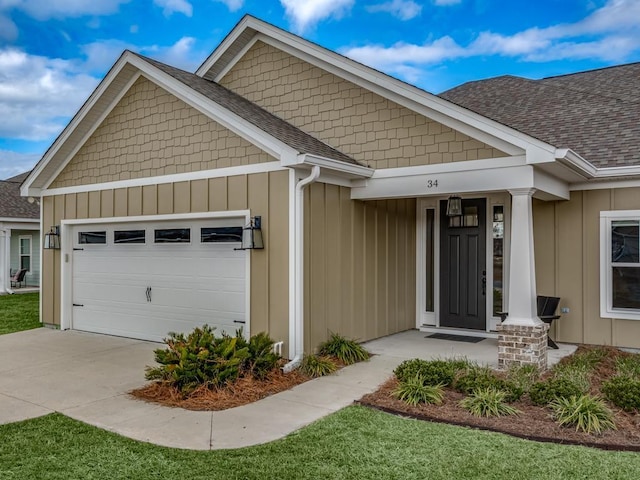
column 40, row 246
column 94, row 127
column 66, row 254
column 451, row 167
column 422, row 316
column 172, row 178
column 606, row 265
column 243, row 51
column 31, row 226
column 605, row 185
column 349, row 169
column 20, row 255
column 18, row 220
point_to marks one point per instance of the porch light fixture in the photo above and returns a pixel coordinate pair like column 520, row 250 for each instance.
column 454, row 206
column 252, row 235
column 52, row 239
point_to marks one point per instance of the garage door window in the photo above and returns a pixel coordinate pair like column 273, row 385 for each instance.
column 221, row 234
column 129, row 236
column 92, row 238
column 172, row 235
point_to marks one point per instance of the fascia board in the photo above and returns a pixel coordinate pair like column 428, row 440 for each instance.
column 342, row 168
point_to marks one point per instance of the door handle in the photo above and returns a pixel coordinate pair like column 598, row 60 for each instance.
column 148, row 293
column 484, row 282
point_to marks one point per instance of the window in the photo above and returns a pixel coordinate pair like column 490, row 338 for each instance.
column 172, row 235
column 430, row 215
column 498, row 258
column 620, row 264
column 25, row 252
column 220, row 234
column 92, row 238
column 129, row 236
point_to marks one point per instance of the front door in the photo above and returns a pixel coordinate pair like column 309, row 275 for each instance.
column 463, row 271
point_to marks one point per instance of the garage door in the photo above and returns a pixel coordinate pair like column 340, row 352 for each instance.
column 144, row 280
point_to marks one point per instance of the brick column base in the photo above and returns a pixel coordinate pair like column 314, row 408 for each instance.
column 522, row 345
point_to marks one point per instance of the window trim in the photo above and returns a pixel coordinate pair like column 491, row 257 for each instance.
column 20, row 254
column 606, row 265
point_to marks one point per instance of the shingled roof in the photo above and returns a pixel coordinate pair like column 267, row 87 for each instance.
column 254, row 114
column 12, row 205
column 595, row 113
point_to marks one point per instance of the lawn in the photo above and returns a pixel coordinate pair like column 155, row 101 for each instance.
column 19, row 312
column 354, row 443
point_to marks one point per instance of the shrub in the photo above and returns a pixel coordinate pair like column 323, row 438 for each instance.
column 414, row 390
column 479, row 378
column 624, row 392
column 434, row 372
column 523, row 376
column 345, row 350
column 628, row 366
column 262, row 359
column 578, row 374
column 588, row 414
column 317, row 366
column 543, row 393
column 488, row 402
column 587, row 359
column 199, row 358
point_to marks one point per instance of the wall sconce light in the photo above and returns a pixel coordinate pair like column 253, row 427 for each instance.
column 52, row 239
column 454, row 206
column 252, row 235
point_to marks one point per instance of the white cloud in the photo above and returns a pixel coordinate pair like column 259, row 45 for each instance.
column 14, row 163
column 403, row 9
column 44, row 9
column 446, row 3
column 232, row 5
column 305, row 14
column 39, row 94
column 172, row 6
column 610, row 33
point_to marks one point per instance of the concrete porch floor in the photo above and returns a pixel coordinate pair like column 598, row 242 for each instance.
column 88, row 376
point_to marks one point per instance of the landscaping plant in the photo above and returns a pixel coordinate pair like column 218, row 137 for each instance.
column 434, row 372
column 414, row 390
column 543, row 393
column 588, row 414
column 488, row 402
column 317, row 365
column 345, row 350
column 479, row 378
column 624, row 392
column 628, row 366
column 523, row 376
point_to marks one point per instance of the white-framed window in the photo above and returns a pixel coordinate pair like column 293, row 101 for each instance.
column 25, row 252
column 620, row 264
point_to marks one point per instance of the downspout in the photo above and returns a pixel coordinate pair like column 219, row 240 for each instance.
column 298, row 320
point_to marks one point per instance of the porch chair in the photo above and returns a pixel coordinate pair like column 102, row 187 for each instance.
column 546, row 310
column 18, row 278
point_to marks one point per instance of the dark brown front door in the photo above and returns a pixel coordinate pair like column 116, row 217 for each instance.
column 463, row 286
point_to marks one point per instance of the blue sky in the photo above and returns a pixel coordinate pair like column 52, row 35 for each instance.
column 54, row 52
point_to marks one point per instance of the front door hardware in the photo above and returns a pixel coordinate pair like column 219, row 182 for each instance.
column 484, row 282
column 148, row 293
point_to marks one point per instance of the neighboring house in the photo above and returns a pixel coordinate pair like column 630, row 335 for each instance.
column 351, row 172
column 19, row 235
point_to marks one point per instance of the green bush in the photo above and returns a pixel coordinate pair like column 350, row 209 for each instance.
column 543, row 393
column 434, row 372
column 628, row 366
column 201, row 358
column 345, row 350
column 480, row 378
column 624, row 392
column 587, row 359
column 578, row 374
column 488, row 402
column 523, row 376
column 588, row 414
column 414, row 390
column 317, row 366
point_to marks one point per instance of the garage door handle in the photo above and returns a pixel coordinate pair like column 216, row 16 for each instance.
column 78, row 305
column 148, row 294
column 239, row 321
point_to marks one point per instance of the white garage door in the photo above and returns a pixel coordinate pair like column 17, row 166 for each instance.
column 144, row 280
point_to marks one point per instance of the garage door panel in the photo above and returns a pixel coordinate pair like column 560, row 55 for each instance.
column 190, row 284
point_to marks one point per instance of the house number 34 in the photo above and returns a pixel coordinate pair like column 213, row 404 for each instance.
column 432, row 183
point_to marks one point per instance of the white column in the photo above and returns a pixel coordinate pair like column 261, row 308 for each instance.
column 4, row 269
column 522, row 272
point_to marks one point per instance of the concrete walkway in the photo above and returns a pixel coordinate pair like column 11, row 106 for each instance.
column 87, row 377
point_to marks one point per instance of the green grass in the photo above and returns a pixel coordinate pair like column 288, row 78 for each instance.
column 18, row 312
column 354, row 443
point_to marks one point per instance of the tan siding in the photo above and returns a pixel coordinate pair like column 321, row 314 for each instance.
column 150, row 132
column 351, row 265
column 372, row 129
column 567, row 249
column 268, row 197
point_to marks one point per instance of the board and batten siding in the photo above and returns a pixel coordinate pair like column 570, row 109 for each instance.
column 360, row 265
column 264, row 194
column 372, row 129
column 567, row 254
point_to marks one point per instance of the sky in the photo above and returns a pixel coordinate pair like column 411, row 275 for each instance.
column 53, row 53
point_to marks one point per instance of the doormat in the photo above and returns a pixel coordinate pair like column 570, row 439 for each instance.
column 455, row 338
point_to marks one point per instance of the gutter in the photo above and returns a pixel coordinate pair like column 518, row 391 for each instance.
column 297, row 325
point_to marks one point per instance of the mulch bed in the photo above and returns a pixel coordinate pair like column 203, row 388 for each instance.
column 241, row 392
column 534, row 422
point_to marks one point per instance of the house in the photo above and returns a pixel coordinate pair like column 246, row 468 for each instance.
column 382, row 207
column 19, row 236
